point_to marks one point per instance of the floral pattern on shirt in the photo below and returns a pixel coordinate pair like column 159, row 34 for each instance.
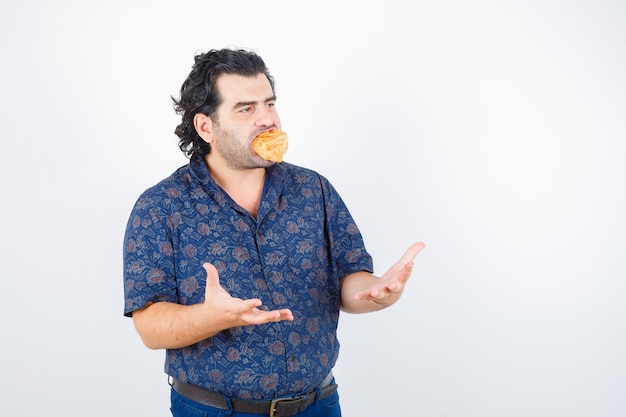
column 293, row 255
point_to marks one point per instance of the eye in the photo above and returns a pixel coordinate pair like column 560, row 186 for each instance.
column 246, row 109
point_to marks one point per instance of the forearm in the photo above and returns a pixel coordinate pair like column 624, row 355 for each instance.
column 356, row 283
column 166, row 325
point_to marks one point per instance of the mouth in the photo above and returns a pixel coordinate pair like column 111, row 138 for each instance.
column 271, row 144
column 264, row 131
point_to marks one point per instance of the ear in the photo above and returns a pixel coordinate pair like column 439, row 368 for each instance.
column 204, row 127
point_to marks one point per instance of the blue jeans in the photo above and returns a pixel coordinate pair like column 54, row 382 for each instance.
column 183, row 407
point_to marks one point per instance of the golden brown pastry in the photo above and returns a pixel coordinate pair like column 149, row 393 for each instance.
column 271, row 145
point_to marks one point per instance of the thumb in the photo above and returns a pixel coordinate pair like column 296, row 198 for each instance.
column 212, row 277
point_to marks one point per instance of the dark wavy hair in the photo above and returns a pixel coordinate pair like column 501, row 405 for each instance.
column 199, row 94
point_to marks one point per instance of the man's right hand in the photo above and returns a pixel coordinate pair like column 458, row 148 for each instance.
column 235, row 311
column 165, row 325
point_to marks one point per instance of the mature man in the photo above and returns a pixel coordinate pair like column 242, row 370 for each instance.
column 239, row 266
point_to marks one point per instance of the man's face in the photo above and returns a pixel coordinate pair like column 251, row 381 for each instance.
column 247, row 109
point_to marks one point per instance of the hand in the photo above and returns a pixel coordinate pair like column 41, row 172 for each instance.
column 232, row 312
column 389, row 287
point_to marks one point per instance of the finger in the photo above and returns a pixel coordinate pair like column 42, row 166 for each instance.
column 212, row 279
column 250, row 304
column 371, row 294
column 379, row 293
column 401, row 278
column 211, row 273
column 257, row 316
column 411, row 253
column 284, row 314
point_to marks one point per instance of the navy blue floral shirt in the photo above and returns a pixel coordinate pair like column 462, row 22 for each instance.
column 293, row 255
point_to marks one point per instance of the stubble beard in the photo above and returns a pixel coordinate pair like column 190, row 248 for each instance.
column 237, row 153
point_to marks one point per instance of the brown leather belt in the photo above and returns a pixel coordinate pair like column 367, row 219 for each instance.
column 278, row 407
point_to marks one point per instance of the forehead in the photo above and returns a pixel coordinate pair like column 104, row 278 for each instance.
column 235, row 88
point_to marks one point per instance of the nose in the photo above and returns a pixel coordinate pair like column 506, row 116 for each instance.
column 266, row 116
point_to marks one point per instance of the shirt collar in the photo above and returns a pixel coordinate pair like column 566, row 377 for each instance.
column 272, row 189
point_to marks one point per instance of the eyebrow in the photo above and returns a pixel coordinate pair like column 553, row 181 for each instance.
column 250, row 103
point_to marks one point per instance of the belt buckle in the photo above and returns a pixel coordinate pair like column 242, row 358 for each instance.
column 275, row 401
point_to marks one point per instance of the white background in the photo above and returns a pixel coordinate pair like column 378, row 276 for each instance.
column 494, row 131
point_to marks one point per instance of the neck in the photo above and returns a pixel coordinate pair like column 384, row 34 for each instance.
column 243, row 186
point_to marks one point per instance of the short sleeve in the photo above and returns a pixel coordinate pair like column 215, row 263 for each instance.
column 148, row 256
column 346, row 242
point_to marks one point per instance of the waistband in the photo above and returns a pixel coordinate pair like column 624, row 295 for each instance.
column 277, row 407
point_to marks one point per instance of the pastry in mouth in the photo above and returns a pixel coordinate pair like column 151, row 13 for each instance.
column 271, row 145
